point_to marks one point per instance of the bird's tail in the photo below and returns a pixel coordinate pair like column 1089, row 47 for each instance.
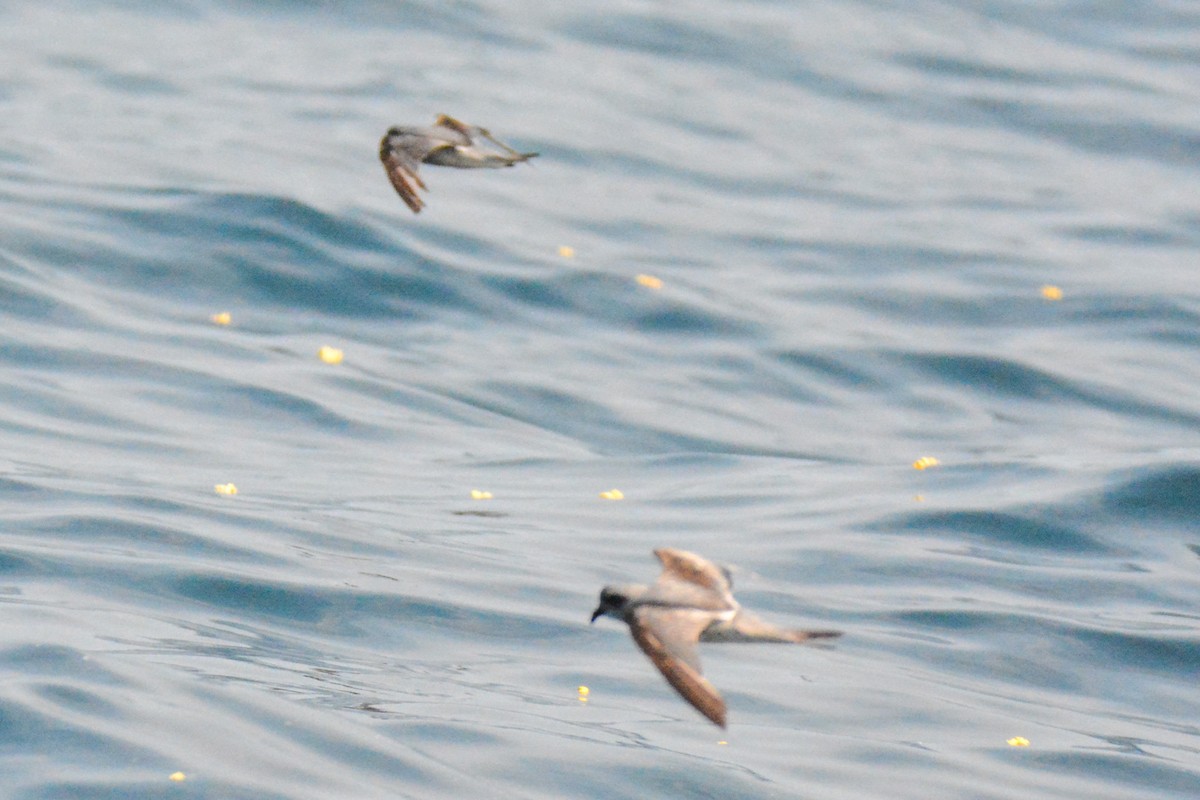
column 804, row 636
column 749, row 628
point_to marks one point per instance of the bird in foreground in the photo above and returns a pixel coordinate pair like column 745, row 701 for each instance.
column 690, row 602
column 447, row 143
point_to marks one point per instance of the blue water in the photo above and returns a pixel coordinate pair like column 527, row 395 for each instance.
column 853, row 209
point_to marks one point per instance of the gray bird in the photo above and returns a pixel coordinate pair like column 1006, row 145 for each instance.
column 690, row 602
column 447, row 143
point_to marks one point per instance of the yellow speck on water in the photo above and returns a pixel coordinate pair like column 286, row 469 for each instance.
column 479, row 494
column 925, row 462
column 613, row 494
column 178, row 776
column 566, row 252
column 1018, row 741
column 223, row 318
column 649, row 281
column 722, row 742
column 920, row 498
column 583, row 694
column 225, row 488
column 330, row 355
column 1051, row 292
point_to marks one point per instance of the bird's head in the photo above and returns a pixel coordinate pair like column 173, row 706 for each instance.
column 613, row 600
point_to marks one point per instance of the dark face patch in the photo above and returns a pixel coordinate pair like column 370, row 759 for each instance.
column 609, row 600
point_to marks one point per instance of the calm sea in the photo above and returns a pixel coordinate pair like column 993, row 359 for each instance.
column 771, row 256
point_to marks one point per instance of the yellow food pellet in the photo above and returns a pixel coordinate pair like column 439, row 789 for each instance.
column 224, row 318
column 925, row 462
column 225, row 488
column 1018, row 741
column 566, row 252
column 1051, row 292
column 178, row 776
column 584, row 691
column 920, row 498
column 330, row 355
column 613, row 494
column 479, row 494
column 722, row 742
column 649, row 281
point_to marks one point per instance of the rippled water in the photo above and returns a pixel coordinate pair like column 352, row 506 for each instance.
column 856, row 211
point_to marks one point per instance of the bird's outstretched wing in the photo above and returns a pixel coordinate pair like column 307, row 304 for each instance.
column 402, row 150
column 680, row 565
column 668, row 637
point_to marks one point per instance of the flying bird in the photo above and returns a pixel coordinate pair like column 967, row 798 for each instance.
column 447, row 143
column 690, row 602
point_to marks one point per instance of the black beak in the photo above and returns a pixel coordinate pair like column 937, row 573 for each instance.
column 597, row 613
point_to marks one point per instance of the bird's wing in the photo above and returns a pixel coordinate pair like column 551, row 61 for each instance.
column 668, row 637
column 465, row 135
column 456, row 132
column 680, row 565
column 402, row 150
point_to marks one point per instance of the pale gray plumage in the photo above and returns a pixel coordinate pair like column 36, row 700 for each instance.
column 447, row 143
column 690, row 602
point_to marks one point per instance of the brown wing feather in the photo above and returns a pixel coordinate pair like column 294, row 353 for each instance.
column 690, row 684
column 402, row 172
column 461, row 128
column 685, row 566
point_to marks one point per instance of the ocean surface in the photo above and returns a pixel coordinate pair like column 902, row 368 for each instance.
column 771, row 256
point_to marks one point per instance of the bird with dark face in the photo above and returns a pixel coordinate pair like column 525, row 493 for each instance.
column 447, row 143
column 692, row 601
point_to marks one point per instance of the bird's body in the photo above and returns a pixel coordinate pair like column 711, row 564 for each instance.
column 446, row 143
column 690, row 602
